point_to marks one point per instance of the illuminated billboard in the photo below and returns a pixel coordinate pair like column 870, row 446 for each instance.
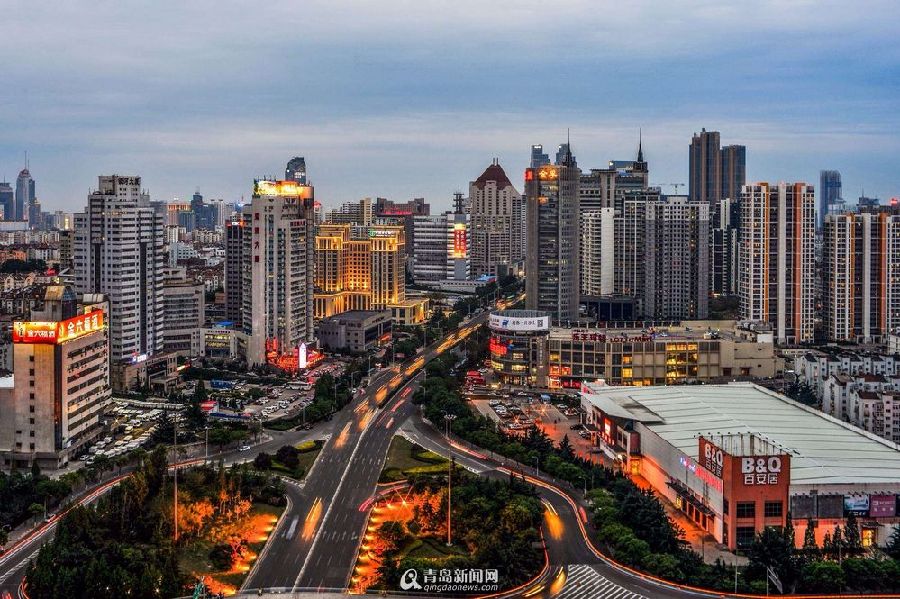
column 519, row 324
column 459, row 240
column 282, row 188
column 57, row 332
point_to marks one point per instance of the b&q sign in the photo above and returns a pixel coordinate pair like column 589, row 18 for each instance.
column 57, row 332
column 761, row 470
column 711, row 457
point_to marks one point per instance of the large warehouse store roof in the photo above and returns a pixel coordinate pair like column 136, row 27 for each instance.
column 824, row 451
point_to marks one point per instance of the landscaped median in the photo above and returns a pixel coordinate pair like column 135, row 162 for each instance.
column 494, row 530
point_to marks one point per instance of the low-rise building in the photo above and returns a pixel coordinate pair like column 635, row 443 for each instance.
column 525, row 350
column 356, row 330
column 736, row 458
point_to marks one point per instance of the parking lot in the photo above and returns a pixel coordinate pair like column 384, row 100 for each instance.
column 557, row 415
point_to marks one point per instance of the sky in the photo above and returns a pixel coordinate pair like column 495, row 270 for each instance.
column 407, row 98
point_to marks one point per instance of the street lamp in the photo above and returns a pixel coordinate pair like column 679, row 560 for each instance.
column 537, row 469
column 448, row 419
column 206, row 442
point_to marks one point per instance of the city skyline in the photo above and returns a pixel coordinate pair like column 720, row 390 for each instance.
column 215, row 106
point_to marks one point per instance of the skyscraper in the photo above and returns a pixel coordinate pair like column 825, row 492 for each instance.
column 734, row 171
column 118, row 251
column 552, row 282
column 441, row 251
column 676, row 259
column 563, row 153
column 234, row 270
column 7, row 201
column 492, row 205
column 296, row 170
column 777, row 258
column 24, row 195
column 723, row 258
column 830, row 196
column 597, row 251
column 705, row 181
column 278, row 270
column 538, row 158
column 861, row 274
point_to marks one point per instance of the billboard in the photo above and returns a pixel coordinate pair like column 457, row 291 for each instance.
column 803, row 506
column 882, row 506
column 711, row 457
column 761, row 470
column 459, row 240
column 830, row 506
column 57, row 332
column 519, row 324
column 858, row 505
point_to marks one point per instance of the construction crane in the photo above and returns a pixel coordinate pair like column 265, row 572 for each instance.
column 675, row 185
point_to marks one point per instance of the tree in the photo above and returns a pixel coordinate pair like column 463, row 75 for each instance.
column 263, row 461
column 893, row 544
column 810, row 548
column 565, row 449
column 773, row 548
column 852, row 540
column 288, row 456
column 822, row 577
column 194, row 414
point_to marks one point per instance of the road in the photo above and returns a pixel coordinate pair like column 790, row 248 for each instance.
column 344, row 477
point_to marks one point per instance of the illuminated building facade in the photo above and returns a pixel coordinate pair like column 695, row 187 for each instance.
column 861, row 274
column 777, row 258
column 496, row 240
column 552, row 282
column 118, row 250
column 278, row 271
column 359, row 268
column 60, row 384
column 441, row 248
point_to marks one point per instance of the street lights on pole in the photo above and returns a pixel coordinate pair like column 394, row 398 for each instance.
column 537, row 469
column 448, row 419
column 175, row 463
column 206, row 442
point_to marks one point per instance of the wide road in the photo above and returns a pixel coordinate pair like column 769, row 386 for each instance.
column 577, row 569
column 344, row 476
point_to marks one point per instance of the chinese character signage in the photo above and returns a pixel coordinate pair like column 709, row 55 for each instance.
column 459, row 240
column 57, row 332
column 711, row 457
column 761, row 470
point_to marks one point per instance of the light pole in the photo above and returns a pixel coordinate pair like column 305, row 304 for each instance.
column 206, row 442
column 175, row 461
column 537, row 469
column 448, row 419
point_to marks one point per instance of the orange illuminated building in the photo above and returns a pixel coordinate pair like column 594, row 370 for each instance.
column 359, row 268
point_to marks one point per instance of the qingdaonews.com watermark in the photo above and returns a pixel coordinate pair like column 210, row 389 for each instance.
column 458, row 580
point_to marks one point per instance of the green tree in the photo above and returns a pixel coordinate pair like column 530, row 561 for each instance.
column 852, row 540
column 822, row 577
column 565, row 449
column 810, row 548
column 893, row 545
column 194, row 415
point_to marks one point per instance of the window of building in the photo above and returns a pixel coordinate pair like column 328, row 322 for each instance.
column 31, row 408
column 744, row 536
column 746, row 509
column 725, row 506
column 772, row 509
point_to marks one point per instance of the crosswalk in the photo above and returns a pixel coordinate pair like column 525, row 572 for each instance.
column 584, row 582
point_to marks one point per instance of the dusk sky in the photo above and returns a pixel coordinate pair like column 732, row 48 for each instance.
column 410, row 99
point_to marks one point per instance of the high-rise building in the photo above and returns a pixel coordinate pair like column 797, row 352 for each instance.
column 352, row 213
column 296, row 170
column 830, row 195
column 552, row 282
column 734, row 171
column 867, row 202
column 723, row 258
column 184, row 313
column 118, row 251
column 388, row 212
column 234, row 270
column 24, row 195
column 61, row 383
column 629, row 231
column 676, row 262
column 7, row 201
column 861, row 274
column 705, row 182
column 441, row 251
column 597, row 249
column 563, row 153
column 359, row 268
column 777, row 258
column 278, row 270
column 495, row 246
column 597, row 189
column 538, row 158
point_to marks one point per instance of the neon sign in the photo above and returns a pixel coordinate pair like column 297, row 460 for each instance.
column 459, row 240
column 53, row 333
column 700, row 472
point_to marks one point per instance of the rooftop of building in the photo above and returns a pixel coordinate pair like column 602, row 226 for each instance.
column 824, row 450
column 357, row 316
column 673, row 332
column 494, row 173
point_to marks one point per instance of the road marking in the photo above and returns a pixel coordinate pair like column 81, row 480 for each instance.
column 584, row 582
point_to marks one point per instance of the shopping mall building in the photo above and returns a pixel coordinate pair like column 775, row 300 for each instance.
column 526, row 350
column 738, row 457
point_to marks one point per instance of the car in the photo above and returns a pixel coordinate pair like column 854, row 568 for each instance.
column 244, row 448
column 584, row 434
column 576, row 427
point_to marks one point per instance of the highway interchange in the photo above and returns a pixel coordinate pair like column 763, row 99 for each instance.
column 315, row 545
